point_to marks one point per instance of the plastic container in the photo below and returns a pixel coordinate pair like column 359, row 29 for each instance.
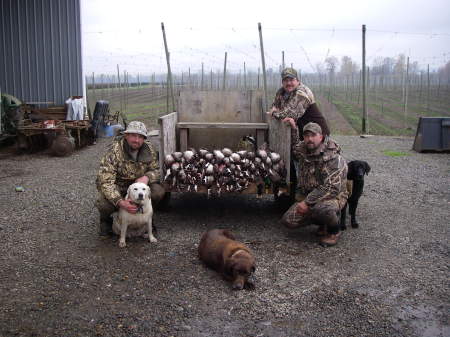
column 111, row 130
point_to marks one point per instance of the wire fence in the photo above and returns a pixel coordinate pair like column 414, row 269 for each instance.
column 398, row 92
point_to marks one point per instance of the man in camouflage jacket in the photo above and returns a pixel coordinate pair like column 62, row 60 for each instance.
column 295, row 100
column 322, row 183
column 129, row 159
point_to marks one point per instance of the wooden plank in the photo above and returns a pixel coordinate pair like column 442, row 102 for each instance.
column 260, row 137
column 184, row 133
column 219, row 107
column 257, row 113
column 202, row 125
column 216, row 106
column 168, row 137
column 280, row 142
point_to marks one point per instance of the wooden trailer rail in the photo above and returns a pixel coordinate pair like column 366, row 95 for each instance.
column 184, row 127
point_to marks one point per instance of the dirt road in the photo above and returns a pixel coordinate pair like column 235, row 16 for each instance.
column 388, row 278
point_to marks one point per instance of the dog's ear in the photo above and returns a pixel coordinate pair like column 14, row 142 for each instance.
column 366, row 167
column 253, row 269
column 128, row 193
column 228, row 268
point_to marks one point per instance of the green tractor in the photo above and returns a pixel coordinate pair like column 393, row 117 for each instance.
column 10, row 116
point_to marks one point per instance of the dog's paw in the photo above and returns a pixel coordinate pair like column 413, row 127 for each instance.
column 152, row 239
column 122, row 244
column 249, row 286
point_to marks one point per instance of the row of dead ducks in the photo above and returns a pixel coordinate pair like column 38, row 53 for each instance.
column 222, row 170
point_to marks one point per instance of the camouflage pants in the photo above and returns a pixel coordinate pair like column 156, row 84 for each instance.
column 325, row 213
column 106, row 208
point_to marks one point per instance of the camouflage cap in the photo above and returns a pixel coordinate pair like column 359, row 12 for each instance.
column 137, row 127
column 289, row 72
column 312, row 127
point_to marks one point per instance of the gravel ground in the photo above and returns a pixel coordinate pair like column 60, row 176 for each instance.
column 387, row 278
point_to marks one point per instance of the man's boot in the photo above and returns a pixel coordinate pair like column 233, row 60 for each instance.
column 330, row 239
column 105, row 228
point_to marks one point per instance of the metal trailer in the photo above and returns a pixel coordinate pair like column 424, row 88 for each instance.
column 217, row 119
column 32, row 136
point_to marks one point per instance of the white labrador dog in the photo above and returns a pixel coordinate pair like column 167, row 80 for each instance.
column 140, row 224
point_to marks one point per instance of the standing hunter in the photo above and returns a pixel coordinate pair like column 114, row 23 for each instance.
column 295, row 100
column 321, row 192
column 129, row 159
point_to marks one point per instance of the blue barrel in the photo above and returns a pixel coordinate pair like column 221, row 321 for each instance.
column 111, row 130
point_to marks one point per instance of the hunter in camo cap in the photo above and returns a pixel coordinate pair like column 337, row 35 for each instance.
column 137, row 128
column 129, row 159
column 312, row 127
column 289, row 72
column 295, row 100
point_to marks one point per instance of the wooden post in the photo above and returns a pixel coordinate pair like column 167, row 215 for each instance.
column 224, row 72
column 263, row 67
column 125, row 90
column 405, row 104
column 189, row 78
column 282, row 61
column 364, row 119
column 167, row 93
column 201, row 86
column 93, row 86
column 153, row 85
column 119, row 88
column 169, row 73
column 102, row 94
column 211, row 79
column 245, row 78
column 259, row 70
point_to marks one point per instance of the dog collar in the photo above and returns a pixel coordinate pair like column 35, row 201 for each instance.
column 140, row 208
column 238, row 251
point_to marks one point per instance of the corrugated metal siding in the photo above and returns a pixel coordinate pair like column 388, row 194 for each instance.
column 40, row 42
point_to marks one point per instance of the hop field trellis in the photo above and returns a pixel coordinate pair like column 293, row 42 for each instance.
column 399, row 89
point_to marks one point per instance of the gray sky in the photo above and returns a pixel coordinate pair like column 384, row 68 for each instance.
column 128, row 33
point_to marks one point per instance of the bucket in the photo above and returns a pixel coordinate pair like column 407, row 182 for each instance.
column 111, row 130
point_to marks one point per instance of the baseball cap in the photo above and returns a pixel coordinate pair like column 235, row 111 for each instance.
column 313, row 127
column 136, row 127
column 289, row 72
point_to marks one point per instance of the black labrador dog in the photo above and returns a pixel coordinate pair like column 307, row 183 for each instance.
column 356, row 171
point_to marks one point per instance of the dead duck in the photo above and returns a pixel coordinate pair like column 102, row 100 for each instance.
column 262, row 154
column 227, row 152
column 188, row 156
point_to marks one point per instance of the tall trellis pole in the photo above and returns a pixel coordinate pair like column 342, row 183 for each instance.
column 224, row 83
column 263, row 66
column 169, row 72
column 364, row 119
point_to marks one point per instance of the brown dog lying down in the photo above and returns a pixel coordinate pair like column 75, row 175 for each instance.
column 234, row 260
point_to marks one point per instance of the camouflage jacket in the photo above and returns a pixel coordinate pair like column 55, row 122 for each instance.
column 292, row 104
column 118, row 169
column 322, row 174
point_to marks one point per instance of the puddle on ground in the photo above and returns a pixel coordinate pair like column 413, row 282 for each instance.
column 425, row 320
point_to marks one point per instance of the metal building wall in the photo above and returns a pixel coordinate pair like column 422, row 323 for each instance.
column 40, row 50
